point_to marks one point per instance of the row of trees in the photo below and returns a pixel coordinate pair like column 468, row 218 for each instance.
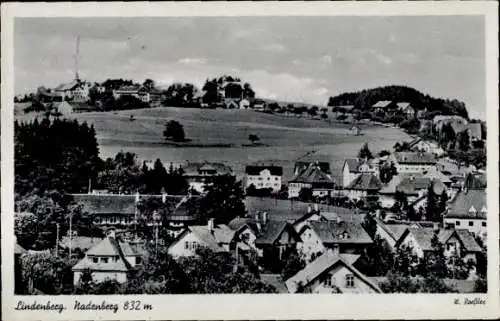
column 365, row 99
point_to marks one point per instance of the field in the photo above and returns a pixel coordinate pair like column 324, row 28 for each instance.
column 283, row 138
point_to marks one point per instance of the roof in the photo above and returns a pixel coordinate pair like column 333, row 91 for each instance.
column 468, row 240
column 255, row 170
column 237, row 223
column 415, row 158
column 18, row 249
column 222, row 234
column 412, row 185
column 332, row 232
column 185, row 209
column 423, row 236
column 440, row 118
column 464, row 201
column 353, row 164
column 365, row 182
column 403, row 105
column 323, row 264
column 109, row 246
column 106, row 203
column 79, row 242
column 272, row 230
column 462, row 286
column 475, row 129
column 345, row 107
column 313, row 174
column 382, row 104
column 129, row 88
column 274, row 280
column 301, row 166
column 395, row 231
column 193, row 169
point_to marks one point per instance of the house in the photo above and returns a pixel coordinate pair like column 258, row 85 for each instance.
column 76, row 90
column 343, row 109
column 353, row 167
column 391, row 233
column 313, row 177
column 384, row 106
column 199, row 174
column 366, row 184
column 259, row 105
column 474, row 131
column 406, row 109
column 82, row 243
column 110, row 259
column 217, row 238
column 458, row 123
column 331, row 273
column 426, row 146
column 244, row 103
column 231, row 103
column 64, row 108
column 264, row 177
column 348, row 236
column 413, row 186
column 413, row 162
column 275, row 239
column 457, row 241
column 468, row 210
column 136, row 91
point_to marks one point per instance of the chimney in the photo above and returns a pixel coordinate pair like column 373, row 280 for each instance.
column 264, row 218
column 436, row 227
column 316, row 208
column 210, row 225
column 336, row 249
column 309, row 209
column 111, row 233
column 164, row 197
column 137, row 197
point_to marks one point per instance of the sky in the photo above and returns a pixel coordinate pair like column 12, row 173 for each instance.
column 286, row 58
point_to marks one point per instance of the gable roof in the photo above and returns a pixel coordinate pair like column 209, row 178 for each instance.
column 194, row 169
column 395, row 231
column 306, row 161
column 461, row 204
column 331, row 232
column 79, row 242
column 221, row 234
column 423, row 236
column 322, row 264
column 382, row 104
column 365, row 182
column 272, row 230
column 106, row 203
column 403, row 105
column 239, row 222
column 255, row 170
column 415, row 158
column 68, row 86
column 313, row 174
column 468, row 240
column 353, row 164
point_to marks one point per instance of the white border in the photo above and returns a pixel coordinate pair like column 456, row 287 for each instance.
column 205, row 307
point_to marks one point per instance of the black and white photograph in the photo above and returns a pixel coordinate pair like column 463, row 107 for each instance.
column 249, row 155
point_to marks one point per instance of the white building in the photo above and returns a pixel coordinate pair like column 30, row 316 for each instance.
column 353, row 167
column 413, row 162
column 426, row 146
column 264, row 177
column 77, row 90
column 315, row 176
column 110, row 259
column 331, row 273
column 468, row 210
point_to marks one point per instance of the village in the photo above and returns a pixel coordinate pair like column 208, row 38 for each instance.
column 400, row 220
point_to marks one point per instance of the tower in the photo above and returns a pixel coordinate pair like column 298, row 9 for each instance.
column 77, row 56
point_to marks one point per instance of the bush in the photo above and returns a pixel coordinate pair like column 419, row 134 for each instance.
column 174, row 131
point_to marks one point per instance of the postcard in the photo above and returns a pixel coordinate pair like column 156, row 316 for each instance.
column 250, row 161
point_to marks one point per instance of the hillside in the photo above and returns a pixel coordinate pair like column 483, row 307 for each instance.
column 363, row 100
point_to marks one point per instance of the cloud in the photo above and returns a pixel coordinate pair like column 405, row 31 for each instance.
column 320, row 91
column 192, row 61
column 380, row 56
column 327, row 59
column 274, row 47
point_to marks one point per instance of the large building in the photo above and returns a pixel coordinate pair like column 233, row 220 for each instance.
column 264, row 177
column 353, row 167
column 468, row 210
column 413, row 162
column 315, row 177
column 199, row 174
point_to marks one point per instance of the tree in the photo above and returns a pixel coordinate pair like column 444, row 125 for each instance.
column 324, row 116
column 248, row 92
column 378, row 258
column 305, row 194
column 365, row 152
column 401, row 147
column 399, row 283
column 181, row 95
column 174, row 131
column 149, row 84
column 292, row 264
column 432, row 209
column 312, row 111
column 383, row 153
column 253, row 138
column 481, row 286
column 121, row 174
column 388, row 172
column 464, row 141
column 370, row 225
column 223, row 200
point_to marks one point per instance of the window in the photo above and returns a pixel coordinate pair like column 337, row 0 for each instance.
column 138, row 260
column 186, row 245
column 276, row 178
column 457, row 223
column 471, row 223
column 349, row 281
column 483, row 224
column 95, row 260
column 269, row 178
column 328, row 281
column 104, row 259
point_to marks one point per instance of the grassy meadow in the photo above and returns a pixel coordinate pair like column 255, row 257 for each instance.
column 222, row 136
